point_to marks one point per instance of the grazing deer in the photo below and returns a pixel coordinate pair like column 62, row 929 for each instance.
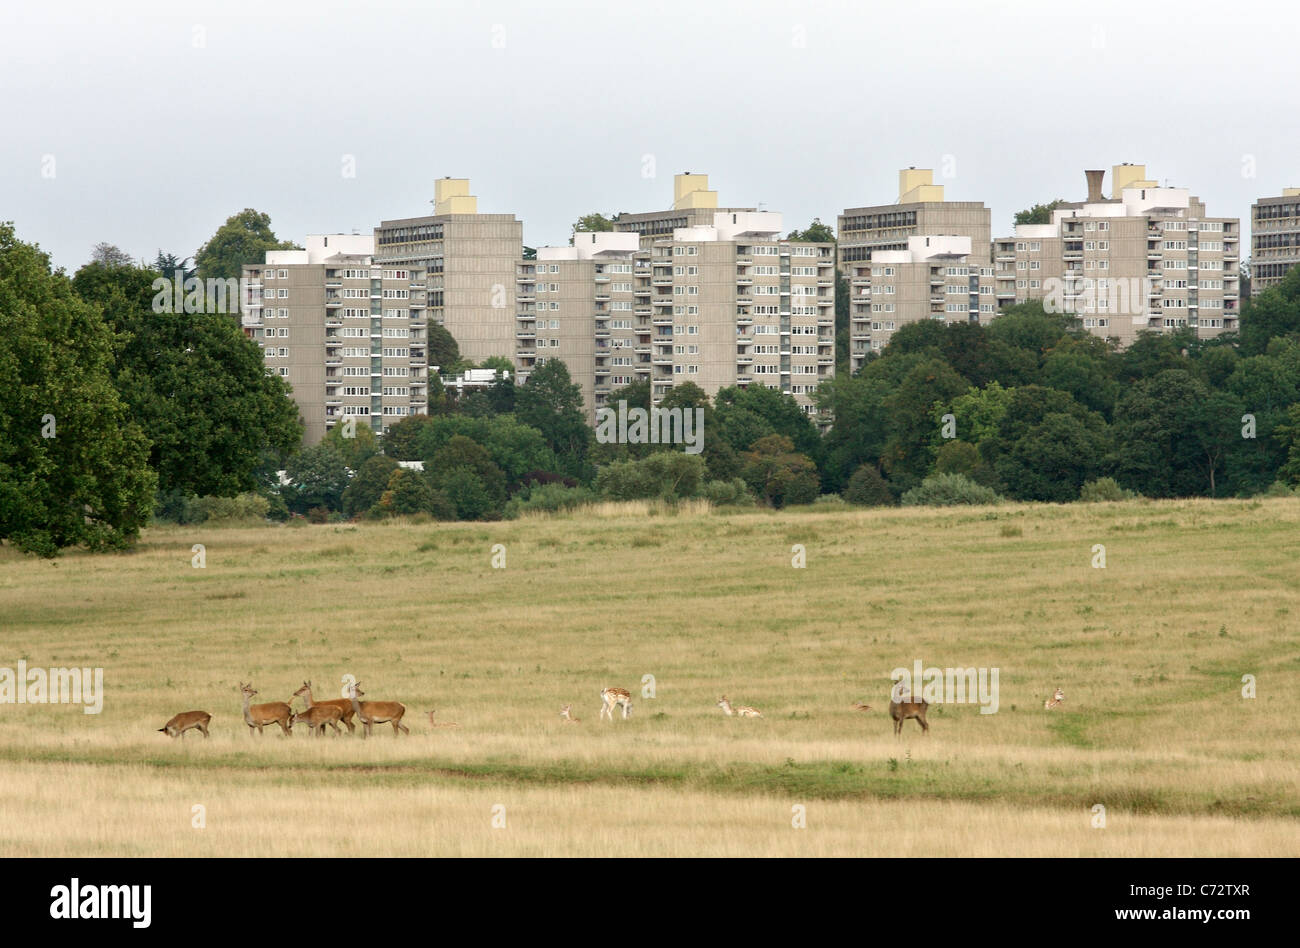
column 743, row 711
column 260, row 715
column 902, row 707
column 178, row 725
column 859, row 706
column 566, row 717
column 343, row 704
column 1054, row 701
column 371, row 713
column 433, row 723
column 317, row 716
column 615, row 696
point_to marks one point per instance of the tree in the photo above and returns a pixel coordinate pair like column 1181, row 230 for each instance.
column 402, row 439
column 908, row 453
column 368, row 484
column 1039, row 213
column 408, row 493
column 862, row 423
column 73, row 465
column 319, row 476
column 465, row 472
column 779, row 412
column 552, row 403
column 109, row 255
column 775, row 471
column 243, row 239
column 356, row 449
column 1274, row 312
column 444, row 353
column 1161, row 449
column 668, row 475
column 867, row 488
column 518, row 450
column 593, row 222
column 194, row 383
column 816, row 233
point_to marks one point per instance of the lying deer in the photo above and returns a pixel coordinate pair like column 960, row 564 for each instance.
column 433, row 723
column 259, row 715
column 178, row 725
column 343, row 704
column 902, row 707
column 566, row 717
column 743, row 711
column 859, row 706
column 371, row 713
column 317, row 716
column 1054, row 701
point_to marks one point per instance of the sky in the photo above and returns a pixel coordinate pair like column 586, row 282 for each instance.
column 147, row 124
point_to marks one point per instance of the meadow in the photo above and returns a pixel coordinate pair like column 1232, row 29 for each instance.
column 1150, row 651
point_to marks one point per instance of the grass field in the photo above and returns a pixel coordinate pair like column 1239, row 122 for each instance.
column 1150, row 652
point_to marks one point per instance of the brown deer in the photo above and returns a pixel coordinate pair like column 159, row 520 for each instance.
column 317, row 716
column 259, row 715
column 343, row 704
column 743, row 711
column 371, row 713
column 567, row 717
column 902, row 707
column 859, row 706
column 178, row 725
column 1054, row 702
column 433, row 723
column 612, row 698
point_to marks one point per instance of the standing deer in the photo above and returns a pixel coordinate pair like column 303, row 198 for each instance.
column 1054, row 701
column 343, row 704
column 743, row 711
column 610, row 697
column 433, row 723
column 566, row 717
column 317, row 716
column 902, row 707
column 260, row 715
column 371, row 713
column 178, row 725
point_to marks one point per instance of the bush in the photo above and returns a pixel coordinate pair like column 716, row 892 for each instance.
column 732, row 493
column 946, row 490
column 1104, row 489
column 665, row 474
column 244, row 508
column 549, row 497
column 867, row 488
column 318, row 515
column 1279, row 489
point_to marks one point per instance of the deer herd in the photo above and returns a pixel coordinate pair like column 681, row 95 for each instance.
column 317, row 715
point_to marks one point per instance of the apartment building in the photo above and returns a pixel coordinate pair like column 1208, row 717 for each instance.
column 1274, row 238
column 694, row 205
column 1148, row 258
column 469, row 260
column 345, row 332
column 922, row 257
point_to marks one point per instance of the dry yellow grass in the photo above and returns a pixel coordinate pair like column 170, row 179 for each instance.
column 1150, row 652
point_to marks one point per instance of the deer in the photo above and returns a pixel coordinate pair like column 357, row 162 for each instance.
column 178, row 725
column 259, row 715
column 371, row 713
column 1054, row 701
column 743, row 711
column 566, row 717
column 343, row 704
column 317, row 716
column 902, row 707
column 610, row 697
column 433, row 723
column 859, row 706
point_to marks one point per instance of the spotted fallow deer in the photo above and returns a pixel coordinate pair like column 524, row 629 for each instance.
column 566, row 716
column 370, row 713
column 612, row 697
column 319, row 715
column 259, row 715
column 178, row 725
column 902, row 707
column 743, row 711
column 343, row 704
column 1054, row 701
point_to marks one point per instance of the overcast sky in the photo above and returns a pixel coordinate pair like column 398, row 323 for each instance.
column 148, row 124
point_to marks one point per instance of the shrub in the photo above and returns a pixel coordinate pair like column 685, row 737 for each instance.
column 946, row 490
column 243, row 508
column 665, row 474
column 549, row 497
column 1279, row 489
column 318, row 515
column 1104, row 489
column 867, row 488
column 732, row 493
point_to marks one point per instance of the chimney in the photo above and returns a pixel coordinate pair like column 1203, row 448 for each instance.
column 1094, row 186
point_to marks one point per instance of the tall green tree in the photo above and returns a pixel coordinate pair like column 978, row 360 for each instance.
column 74, row 467
column 551, row 402
column 243, row 239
